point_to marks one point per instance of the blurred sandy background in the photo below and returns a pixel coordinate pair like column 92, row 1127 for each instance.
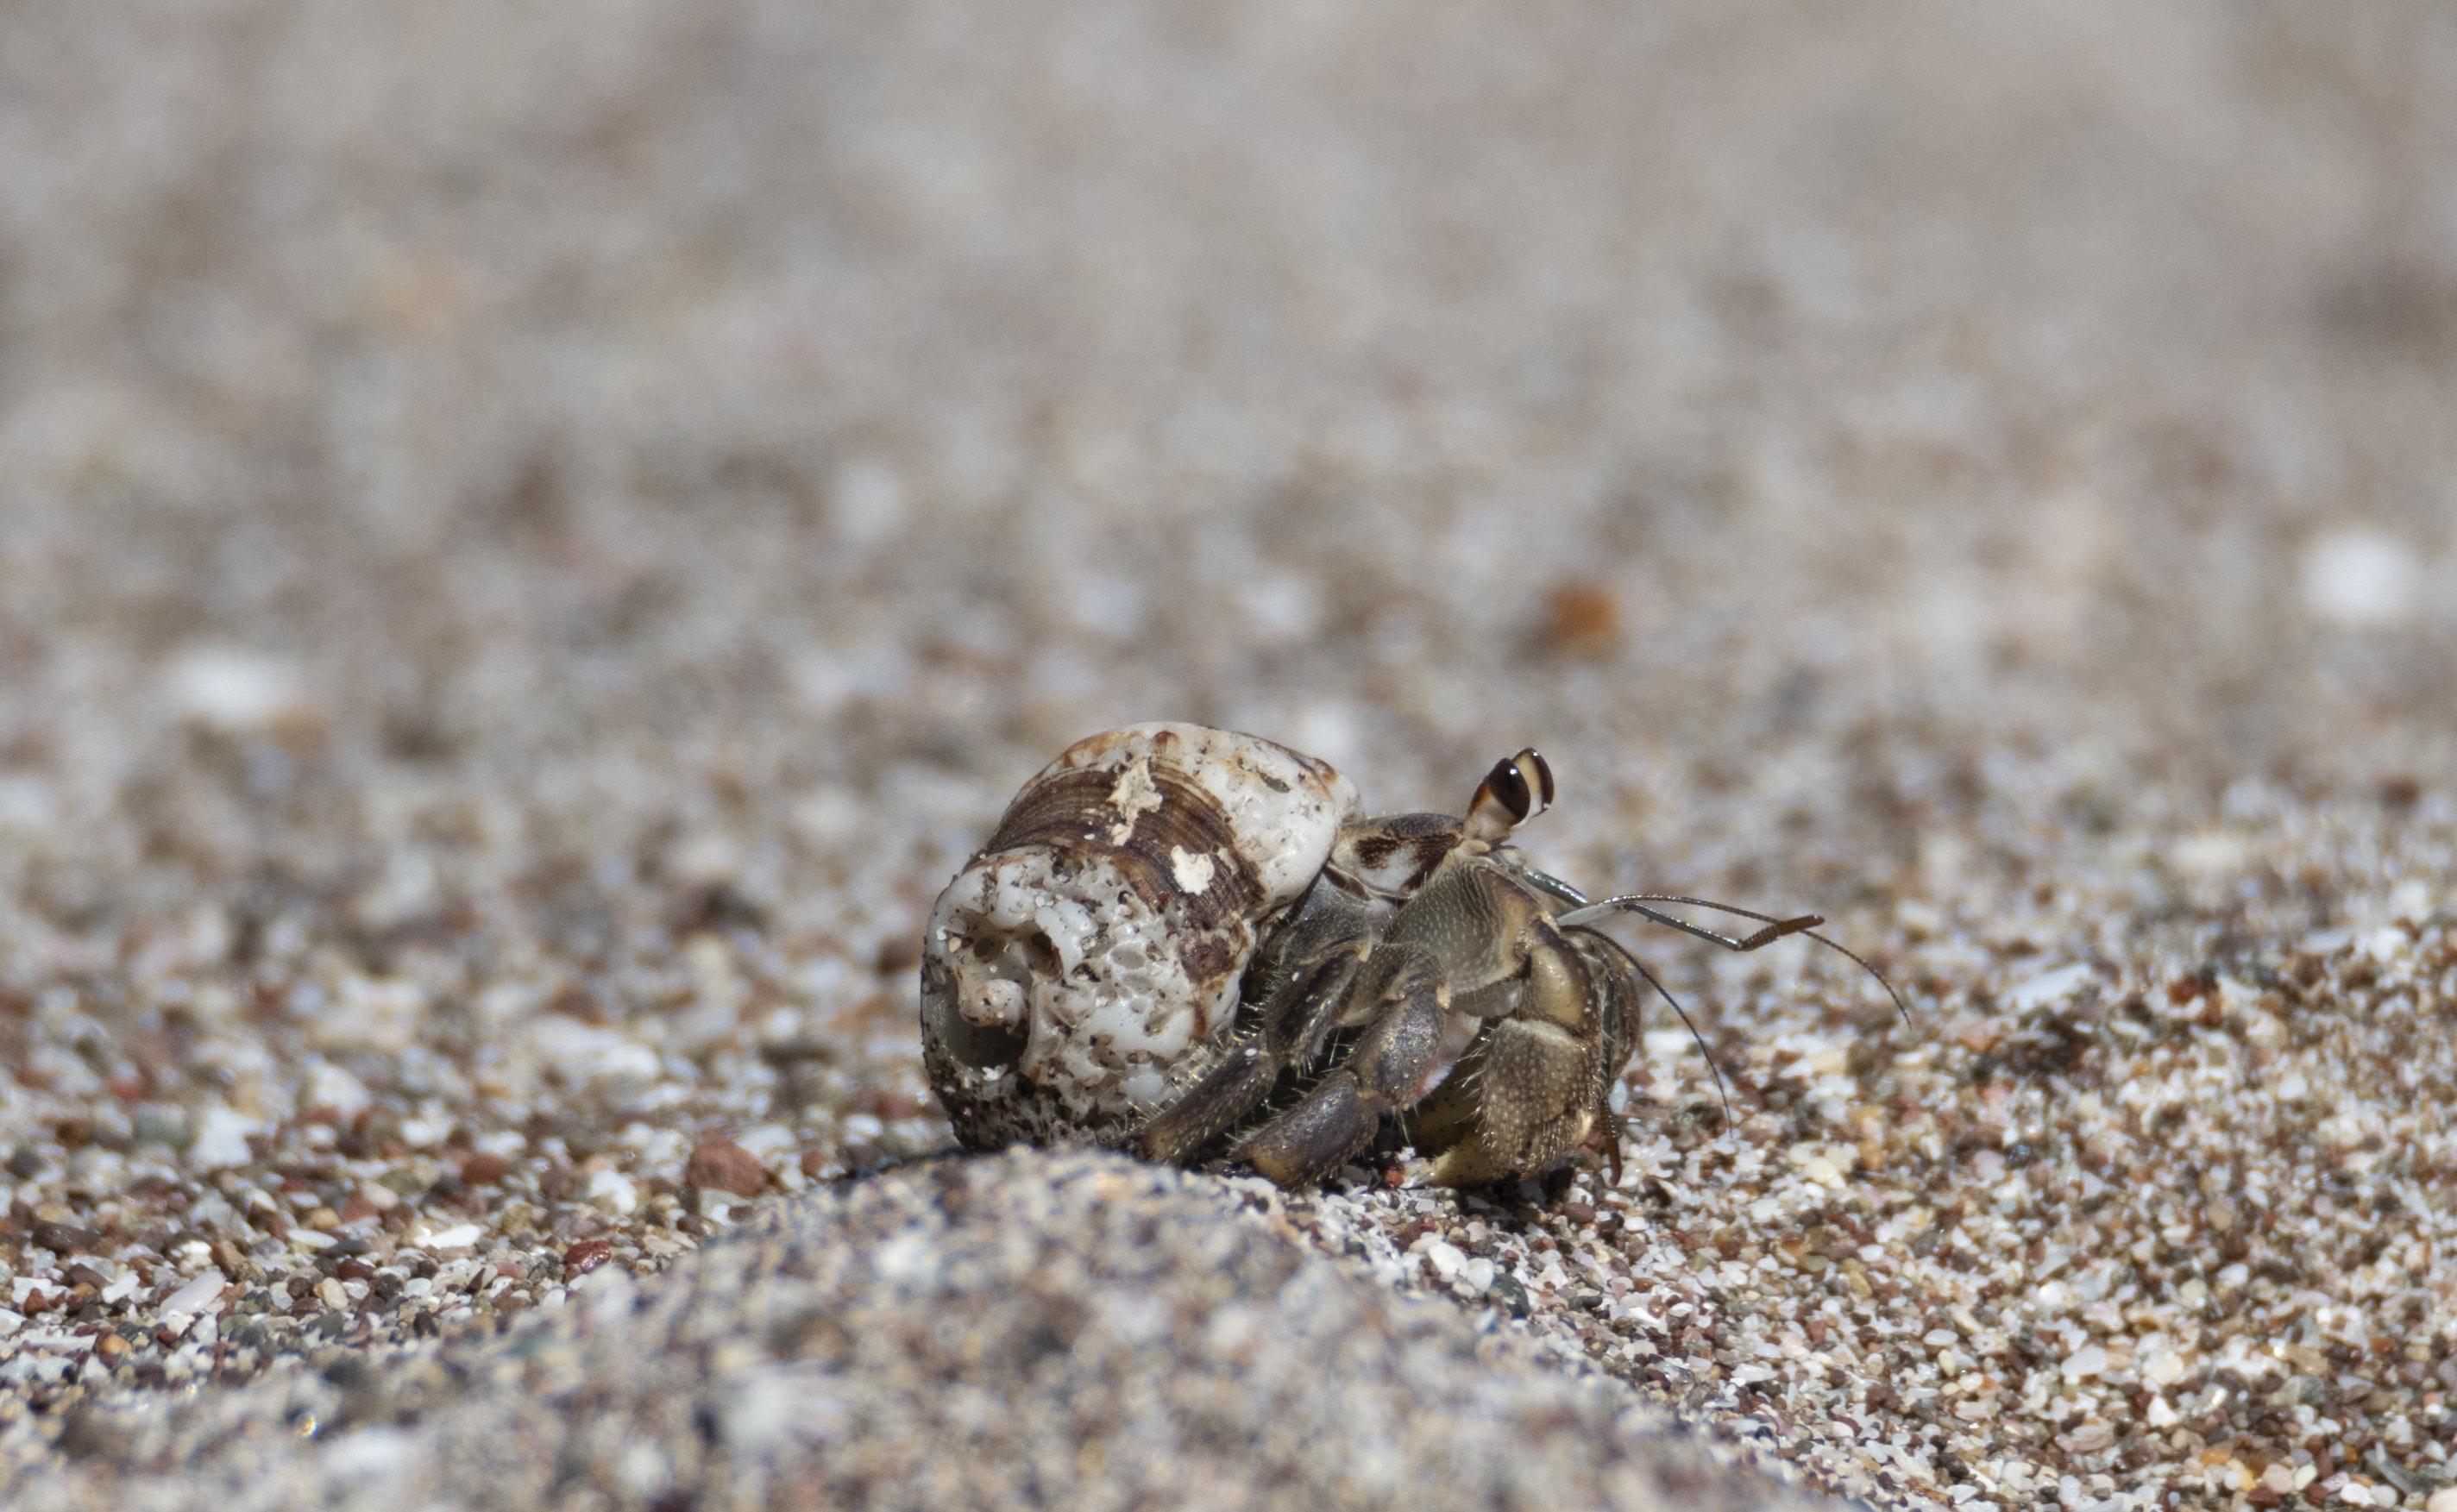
column 673, row 376
column 538, row 536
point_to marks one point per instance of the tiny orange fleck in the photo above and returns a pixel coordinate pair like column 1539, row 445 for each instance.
column 1581, row 618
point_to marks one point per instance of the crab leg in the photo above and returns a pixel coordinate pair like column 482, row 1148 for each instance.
column 1295, row 1022
column 1388, row 1070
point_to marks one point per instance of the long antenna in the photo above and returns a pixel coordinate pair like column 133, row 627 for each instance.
column 1776, row 929
column 1720, row 1091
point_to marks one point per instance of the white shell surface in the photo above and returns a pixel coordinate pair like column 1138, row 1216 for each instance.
column 1282, row 807
column 1089, row 957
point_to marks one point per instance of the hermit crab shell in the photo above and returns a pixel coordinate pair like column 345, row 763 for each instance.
column 1087, row 959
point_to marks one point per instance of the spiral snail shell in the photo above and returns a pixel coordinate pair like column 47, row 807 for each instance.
column 1088, row 958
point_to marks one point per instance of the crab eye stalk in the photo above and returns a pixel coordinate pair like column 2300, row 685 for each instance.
column 1516, row 790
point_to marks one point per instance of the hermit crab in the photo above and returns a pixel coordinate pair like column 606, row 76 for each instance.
column 1189, row 942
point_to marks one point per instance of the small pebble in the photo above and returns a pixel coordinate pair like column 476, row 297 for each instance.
column 221, row 1140
column 615, row 1192
column 725, row 1167
column 66, row 1239
column 2362, row 579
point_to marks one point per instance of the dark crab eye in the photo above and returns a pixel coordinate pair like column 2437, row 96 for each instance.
column 1516, row 790
column 1509, row 787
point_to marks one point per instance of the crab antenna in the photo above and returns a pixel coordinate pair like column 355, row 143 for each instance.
column 1716, row 1070
column 1776, row 928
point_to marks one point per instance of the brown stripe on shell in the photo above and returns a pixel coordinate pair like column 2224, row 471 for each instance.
column 1071, row 811
column 1065, row 810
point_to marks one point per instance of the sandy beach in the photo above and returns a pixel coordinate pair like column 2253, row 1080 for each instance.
column 533, row 542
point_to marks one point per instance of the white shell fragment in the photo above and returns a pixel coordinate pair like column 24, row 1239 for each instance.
column 1079, row 966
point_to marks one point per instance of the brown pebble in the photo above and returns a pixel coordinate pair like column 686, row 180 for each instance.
column 484, row 1169
column 111, row 1346
column 726, row 1167
column 585, row 1257
column 66, row 1239
column 887, row 1105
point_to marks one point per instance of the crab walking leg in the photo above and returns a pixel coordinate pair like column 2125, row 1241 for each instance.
column 1301, row 981
column 1535, row 1082
column 1293, row 1025
column 1387, row 1071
